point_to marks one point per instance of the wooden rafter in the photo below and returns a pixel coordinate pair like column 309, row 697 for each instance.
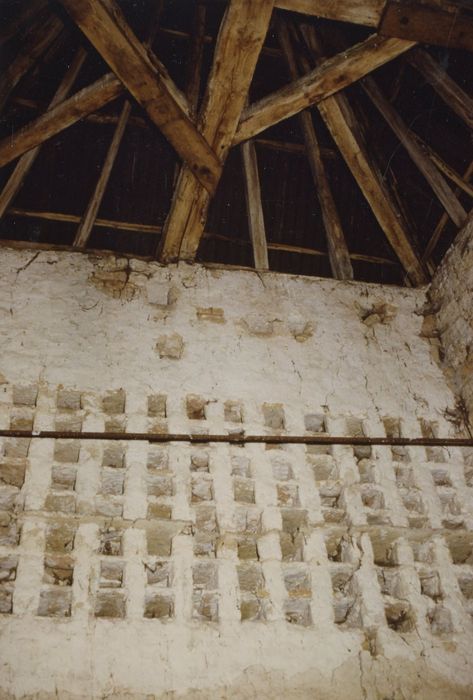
column 342, row 124
column 434, row 239
column 338, row 252
column 254, row 208
column 418, row 155
column 55, row 120
column 366, row 12
column 239, row 43
column 25, row 163
column 450, row 92
column 333, row 75
column 39, row 38
column 149, row 83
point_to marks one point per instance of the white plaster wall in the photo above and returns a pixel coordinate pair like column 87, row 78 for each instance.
column 336, row 349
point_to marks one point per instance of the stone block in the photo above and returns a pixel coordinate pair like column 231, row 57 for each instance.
column 170, row 346
column 247, row 548
column 109, row 506
column 205, row 606
column 297, row 582
column 60, row 537
column 282, row 469
column 204, row 544
column 465, row 581
column 243, row 490
column 240, row 465
column 110, row 604
column 70, row 423
column 206, row 519
column 157, row 459
column 158, row 572
column 399, row 615
column 8, row 568
column 204, row 576
column 111, row 574
column 440, row 620
column 21, row 419
column 250, row 608
column 201, row 489
column 372, row 497
column 430, row 584
column 159, row 511
column 66, row 450
column 291, row 546
column 68, row 399
column 12, row 473
column 63, row 478
column 55, row 602
column 112, row 482
column 158, row 605
column 273, row 414
column 293, row 520
column 58, row 570
column 288, row 494
column 9, row 531
column 297, row 612
column 158, row 485
column 114, row 456
column 25, row 395
column 200, row 461
column 250, row 578
column 6, row 599
column 159, row 541
column 157, row 406
column 233, row 411
column 17, row 447
column 111, row 542
column 113, row 402
column 324, row 467
column 115, row 424
column 8, row 497
column 60, row 502
column 195, row 407
column 315, row 422
column 212, row 313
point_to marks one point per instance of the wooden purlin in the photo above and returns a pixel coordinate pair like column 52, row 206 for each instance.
column 239, row 43
column 149, row 83
column 25, row 163
column 331, row 76
column 338, row 252
column 342, row 124
column 41, row 35
column 420, row 158
column 55, row 120
column 254, row 208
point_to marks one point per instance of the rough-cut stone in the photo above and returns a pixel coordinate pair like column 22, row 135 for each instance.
column 12, row 473
column 157, row 406
column 273, row 414
column 55, row 602
column 195, row 407
column 158, row 605
column 60, row 502
column 110, row 604
column 114, row 456
column 244, row 490
column 111, row 574
column 212, row 313
column 60, row 537
column 25, row 395
column 68, row 399
column 201, row 489
column 58, row 570
column 66, row 450
column 114, row 402
column 111, row 542
column 170, row 346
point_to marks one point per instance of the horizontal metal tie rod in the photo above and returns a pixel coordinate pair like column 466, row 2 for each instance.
column 240, row 438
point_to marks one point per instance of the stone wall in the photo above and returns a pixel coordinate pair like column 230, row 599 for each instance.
column 452, row 301
column 139, row 571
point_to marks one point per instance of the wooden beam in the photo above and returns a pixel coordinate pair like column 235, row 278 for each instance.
column 88, row 220
column 25, row 163
column 447, row 170
column 196, row 54
column 330, row 77
column 450, row 92
column 338, row 252
column 420, row 158
column 149, row 83
column 60, row 117
column 447, row 23
column 443, row 221
column 239, row 43
column 366, row 12
column 254, row 209
column 26, row 12
column 38, row 39
column 343, row 125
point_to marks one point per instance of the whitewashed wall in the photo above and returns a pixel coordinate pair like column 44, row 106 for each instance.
column 130, row 571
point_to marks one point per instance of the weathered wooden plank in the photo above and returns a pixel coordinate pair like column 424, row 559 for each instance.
column 331, row 76
column 194, row 66
column 85, row 228
column 343, row 125
column 338, row 252
column 438, row 230
column 69, row 112
column 38, row 39
column 367, row 12
column 418, row 155
column 450, row 92
column 254, row 207
column 147, row 80
column 447, row 23
column 239, row 43
column 25, row 163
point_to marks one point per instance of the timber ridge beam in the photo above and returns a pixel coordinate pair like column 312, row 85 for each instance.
column 240, row 438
